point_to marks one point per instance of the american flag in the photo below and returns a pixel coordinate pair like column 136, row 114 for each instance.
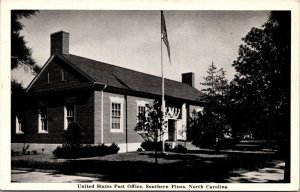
column 164, row 34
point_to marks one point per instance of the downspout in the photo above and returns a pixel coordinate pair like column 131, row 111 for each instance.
column 101, row 138
column 126, row 124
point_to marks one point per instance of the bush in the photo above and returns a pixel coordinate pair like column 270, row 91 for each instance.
column 72, row 136
column 226, row 143
column 69, row 152
column 150, row 145
column 179, row 149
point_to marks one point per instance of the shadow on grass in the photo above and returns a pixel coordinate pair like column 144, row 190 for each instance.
column 172, row 167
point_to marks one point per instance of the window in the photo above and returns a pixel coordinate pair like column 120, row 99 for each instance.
column 141, row 109
column 19, row 122
column 48, row 77
column 69, row 115
column 116, row 114
column 62, row 75
column 43, row 121
column 141, row 112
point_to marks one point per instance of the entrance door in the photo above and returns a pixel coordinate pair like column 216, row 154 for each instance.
column 172, row 129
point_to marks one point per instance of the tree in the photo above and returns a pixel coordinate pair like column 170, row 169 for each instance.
column 151, row 124
column 261, row 88
column 209, row 126
column 20, row 53
column 72, row 136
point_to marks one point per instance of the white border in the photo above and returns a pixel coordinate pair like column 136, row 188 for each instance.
column 7, row 5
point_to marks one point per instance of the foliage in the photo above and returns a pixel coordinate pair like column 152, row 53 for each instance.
column 20, row 53
column 72, row 136
column 150, row 123
column 151, row 145
column 262, row 83
column 208, row 126
column 260, row 91
column 215, row 86
column 179, row 149
column 85, row 151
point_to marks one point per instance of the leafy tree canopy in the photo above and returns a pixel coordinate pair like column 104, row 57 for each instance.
column 150, row 123
column 20, row 53
column 261, row 86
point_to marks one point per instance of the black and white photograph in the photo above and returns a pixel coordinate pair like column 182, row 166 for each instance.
column 152, row 98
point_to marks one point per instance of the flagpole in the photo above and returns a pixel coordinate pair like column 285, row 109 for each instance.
column 162, row 90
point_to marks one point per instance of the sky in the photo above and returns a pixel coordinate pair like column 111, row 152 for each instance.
column 132, row 39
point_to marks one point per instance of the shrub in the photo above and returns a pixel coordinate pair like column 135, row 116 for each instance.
column 72, row 136
column 150, row 145
column 226, row 143
column 85, row 151
column 179, row 149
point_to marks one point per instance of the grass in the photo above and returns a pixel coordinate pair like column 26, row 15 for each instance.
column 140, row 166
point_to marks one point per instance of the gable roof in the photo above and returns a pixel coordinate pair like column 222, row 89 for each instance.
column 127, row 79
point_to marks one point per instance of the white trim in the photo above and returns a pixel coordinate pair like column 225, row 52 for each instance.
column 48, row 77
column 140, row 103
column 120, row 101
column 18, row 127
column 65, row 114
column 40, row 123
column 62, row 75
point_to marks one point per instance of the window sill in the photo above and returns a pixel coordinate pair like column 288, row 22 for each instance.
column 20, row 132
column 116, row 130
column 42, row 132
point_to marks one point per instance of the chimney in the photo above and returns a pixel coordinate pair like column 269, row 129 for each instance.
column 188, row 78
column 59, row 43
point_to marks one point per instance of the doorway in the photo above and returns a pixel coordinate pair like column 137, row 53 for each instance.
column 172, row 129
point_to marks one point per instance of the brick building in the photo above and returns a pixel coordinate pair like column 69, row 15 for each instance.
column 103, row 99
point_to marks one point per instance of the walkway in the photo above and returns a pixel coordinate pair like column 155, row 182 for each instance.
column 26, row 176
column 272, row 174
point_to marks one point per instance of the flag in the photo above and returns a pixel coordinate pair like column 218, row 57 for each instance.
column 164, row 34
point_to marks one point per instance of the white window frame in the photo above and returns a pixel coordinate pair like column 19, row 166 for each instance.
column 66, row 115
column 40, row 121
column 19, row 123
column 117, row 100
column 48, row 77
column 140, row 103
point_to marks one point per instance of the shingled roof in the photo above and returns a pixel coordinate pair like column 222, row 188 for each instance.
column 127, row 79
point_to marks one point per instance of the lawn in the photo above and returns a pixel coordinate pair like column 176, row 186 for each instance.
column 141, row 167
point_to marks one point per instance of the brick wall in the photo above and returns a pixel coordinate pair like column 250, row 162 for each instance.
column 132, row 136
column 55, row 75
column 84, row 116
